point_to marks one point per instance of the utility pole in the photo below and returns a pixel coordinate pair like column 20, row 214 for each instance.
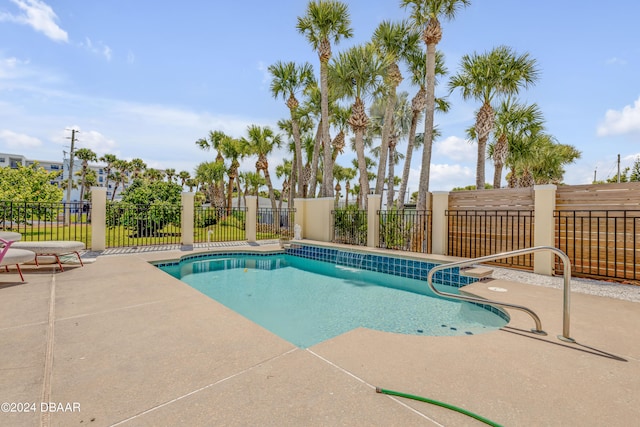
column 618, row 168
column 70, row 177
column 594, row 174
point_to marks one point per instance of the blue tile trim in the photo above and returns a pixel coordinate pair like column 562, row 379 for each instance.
column 413, row 269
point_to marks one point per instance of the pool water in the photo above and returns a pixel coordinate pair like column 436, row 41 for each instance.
column 307, row 302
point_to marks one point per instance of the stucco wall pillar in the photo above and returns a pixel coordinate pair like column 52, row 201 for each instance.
column 544, row 228
column 439, row 223
column 252, row 218
column 373, row 220
column 98, row 218
column 316, row 218
column 186, row 226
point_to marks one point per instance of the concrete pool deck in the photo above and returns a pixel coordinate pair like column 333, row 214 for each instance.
column 126, row 344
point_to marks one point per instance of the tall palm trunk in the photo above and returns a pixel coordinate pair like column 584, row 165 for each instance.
column 392, row 177
column 314, row 161
column 394, row 78
column 233, row 172
column 418, row 104
column 272, row 195
column 500, row 152
column 296, row 170
column 327, row 165
column 358, row 122
column 432, row 36
column 484, row 124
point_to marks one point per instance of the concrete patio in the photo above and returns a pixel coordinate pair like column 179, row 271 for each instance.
column 119, row 342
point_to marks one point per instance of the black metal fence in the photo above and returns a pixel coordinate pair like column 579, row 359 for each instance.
column 219, row 224
column 350, row 226
column 476, row 233
column 600, row 243
column 38, row 221
column 275, row 223
column 132, row 225
column 406, row 230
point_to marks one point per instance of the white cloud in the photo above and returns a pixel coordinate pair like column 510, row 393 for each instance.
column 97, row 142
column 131, row 58
column 39, row 16
column 98, row 48
column 14, row 140
column 445, row 177
column 455, row 148
column 620, row 122
column 616, row 61
column 11, row 68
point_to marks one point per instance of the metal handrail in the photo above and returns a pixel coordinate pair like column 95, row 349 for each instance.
column 567, row 286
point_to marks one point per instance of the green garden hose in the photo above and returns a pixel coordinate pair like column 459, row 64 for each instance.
column 442, row 404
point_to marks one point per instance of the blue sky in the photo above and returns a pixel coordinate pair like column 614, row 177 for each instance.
column 147, row 79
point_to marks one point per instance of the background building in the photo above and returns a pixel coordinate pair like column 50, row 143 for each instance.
column 13, row 160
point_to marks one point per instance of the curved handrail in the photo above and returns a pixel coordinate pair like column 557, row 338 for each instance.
column 567, row 285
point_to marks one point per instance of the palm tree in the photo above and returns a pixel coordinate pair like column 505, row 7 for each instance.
column 392, row 39
column 325, row 21
column 262, row 141
column 86, row 155
column 252, row 183
column 339, row 174
column 340, row 119
column 369, row 164
column 514, row 121
column 417, row 66
column 485, row 77
column 123, row 169
column 153, row 174
column 538, row 159
column 137, row 167
column 289, row 79
column 210, row 174
column 214, row 141
column 191, row 183
column 170, row 173
column 117, row 178
column 358, row 73
column 234, row 150
column 285, row 170
column 109, row 159
column 426, row 15
column 349, row 174
column 183, row 176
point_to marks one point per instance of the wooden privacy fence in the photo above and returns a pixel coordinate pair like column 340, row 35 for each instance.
column 598, row 226
column 491, row 221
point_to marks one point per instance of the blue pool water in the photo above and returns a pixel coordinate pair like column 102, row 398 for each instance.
column 306, row 301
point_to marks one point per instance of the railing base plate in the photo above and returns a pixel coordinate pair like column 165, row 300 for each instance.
column 566, row 339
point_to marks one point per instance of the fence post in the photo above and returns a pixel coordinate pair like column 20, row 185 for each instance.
column 299, row 218
column 544, row 228
column 439, row 223
column 252, row 218
column 186, row 226
column 373, row 220
column 318, row 223
column 98, row 218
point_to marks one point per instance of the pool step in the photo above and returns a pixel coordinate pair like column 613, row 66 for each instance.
column 477, row 272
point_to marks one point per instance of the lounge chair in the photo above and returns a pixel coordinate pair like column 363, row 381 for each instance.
column 54, row 248
column 10, row 256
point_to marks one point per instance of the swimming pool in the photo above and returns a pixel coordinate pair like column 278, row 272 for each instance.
column 306, row 300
